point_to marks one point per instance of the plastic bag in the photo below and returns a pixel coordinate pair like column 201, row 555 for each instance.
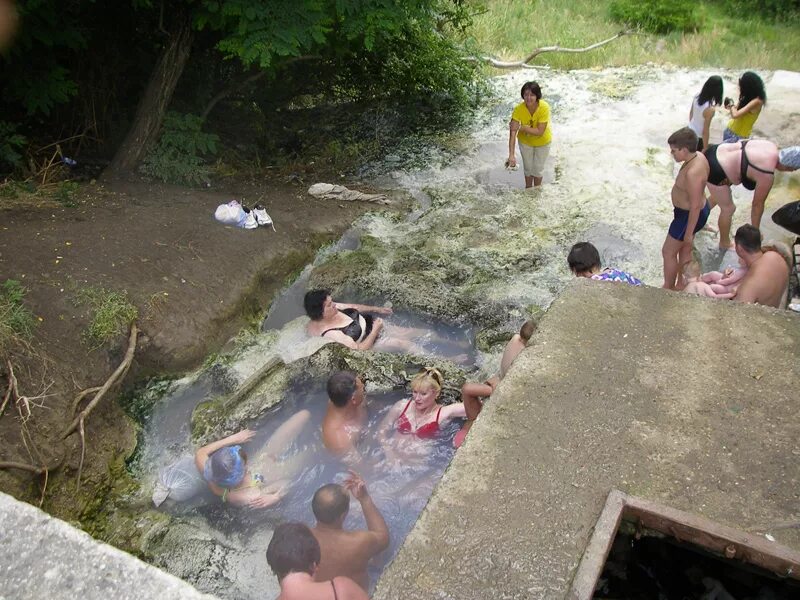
column 179, row 481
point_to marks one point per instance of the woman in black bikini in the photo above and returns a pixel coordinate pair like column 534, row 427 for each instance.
column 348, row 324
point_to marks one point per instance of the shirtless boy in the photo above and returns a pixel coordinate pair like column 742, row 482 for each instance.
column 346, row 417
column 767, row 278
column 690, row 206
column 472, row 392
column 749, row 162
column 347, row 553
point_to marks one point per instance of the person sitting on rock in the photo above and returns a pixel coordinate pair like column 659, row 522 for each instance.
column 224, row 465
column 584, row 261
column 472, row 392
column 293, row 555
column 767, row 278
column 347, row 552
column 346, row 416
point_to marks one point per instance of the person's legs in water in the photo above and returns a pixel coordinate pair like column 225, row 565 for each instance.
column 269, row 462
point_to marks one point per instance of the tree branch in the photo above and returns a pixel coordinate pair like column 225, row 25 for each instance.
column 524, row 63
column 117, row 375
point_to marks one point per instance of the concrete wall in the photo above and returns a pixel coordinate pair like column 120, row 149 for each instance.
column 45, row 558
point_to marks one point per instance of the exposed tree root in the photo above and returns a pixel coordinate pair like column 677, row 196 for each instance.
column 525, row 62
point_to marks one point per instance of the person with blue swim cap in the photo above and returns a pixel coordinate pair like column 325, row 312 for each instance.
column 260, row 484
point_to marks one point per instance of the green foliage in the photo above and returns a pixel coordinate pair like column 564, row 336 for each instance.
column 16, row 321
column 65, row 193
column 772, row 9
column 111, row 314
column 11, row 145
column 657, row 16
column 177, row 157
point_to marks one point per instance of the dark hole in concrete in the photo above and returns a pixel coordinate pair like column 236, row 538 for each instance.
column 652, row 565
column 641, row 549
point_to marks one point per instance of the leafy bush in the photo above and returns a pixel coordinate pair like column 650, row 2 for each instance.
column 16, row 321
column 657, row 16
column 177, row 157
column 112, row 313
column 773, row 9
column 11, row 145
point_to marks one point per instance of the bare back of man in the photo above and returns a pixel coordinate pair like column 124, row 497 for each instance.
column 345, row 553
column 726, row 170
column 766, row 281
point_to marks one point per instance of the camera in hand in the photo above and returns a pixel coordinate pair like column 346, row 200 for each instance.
column 728, row 102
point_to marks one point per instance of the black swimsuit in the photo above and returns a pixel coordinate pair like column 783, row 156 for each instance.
column 354, row 328
column 746, row 181
column 716, row 174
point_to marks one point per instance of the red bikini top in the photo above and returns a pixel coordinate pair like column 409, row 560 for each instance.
column 428, row 430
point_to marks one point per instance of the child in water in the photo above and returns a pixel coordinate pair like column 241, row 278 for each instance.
column 713, row 284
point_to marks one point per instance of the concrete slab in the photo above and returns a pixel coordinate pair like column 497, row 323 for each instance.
column 689, row 402
column 44, row 557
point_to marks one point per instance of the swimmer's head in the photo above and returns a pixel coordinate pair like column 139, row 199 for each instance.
column 293, row 549
column 330, row 504
column 748, row 239
column 583, row 259
column 226, row 467
column 314, row 303
column 527, row 329
column 343, row 387
column 429, row 378
column 684, row 138
column 533, row 88
column 691, row 270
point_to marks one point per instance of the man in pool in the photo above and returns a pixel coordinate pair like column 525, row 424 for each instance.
column 690, row 207
column 347, row 553
column 346, row 417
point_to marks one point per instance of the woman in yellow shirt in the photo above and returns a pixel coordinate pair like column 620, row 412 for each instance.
column 752, row 98
column 530, row 126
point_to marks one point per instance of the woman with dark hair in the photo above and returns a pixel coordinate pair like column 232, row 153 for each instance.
column 348, row 324
column 752, row 98
column 530, row 126
column 703, row 108
column 293, row 555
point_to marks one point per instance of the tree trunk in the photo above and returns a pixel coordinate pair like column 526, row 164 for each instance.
column 153, row 104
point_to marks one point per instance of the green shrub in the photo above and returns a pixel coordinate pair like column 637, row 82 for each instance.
column 11, row 145
column 111, row 314
column 178, row 155
column 657, row 16
column 782, row 10
column 16, row 321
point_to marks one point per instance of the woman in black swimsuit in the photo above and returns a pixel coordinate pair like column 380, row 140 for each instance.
column 348, row 324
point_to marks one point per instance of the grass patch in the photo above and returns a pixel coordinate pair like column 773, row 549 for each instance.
column 111, row 314
column 16, row 320
column 510, row 30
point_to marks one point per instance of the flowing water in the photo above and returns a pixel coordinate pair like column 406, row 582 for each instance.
column 476, row 252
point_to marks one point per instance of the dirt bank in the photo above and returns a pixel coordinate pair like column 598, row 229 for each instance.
column 194, row 281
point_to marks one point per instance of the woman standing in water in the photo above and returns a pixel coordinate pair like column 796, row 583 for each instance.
column 703, row 108
column 530, row 126
column 752, row 98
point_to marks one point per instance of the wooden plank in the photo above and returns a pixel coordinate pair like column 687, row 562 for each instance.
column 594, row 558
column 721, row 539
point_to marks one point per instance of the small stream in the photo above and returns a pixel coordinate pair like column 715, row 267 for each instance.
column 476, row 252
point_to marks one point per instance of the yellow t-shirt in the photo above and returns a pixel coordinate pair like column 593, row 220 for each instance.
column 743, row 125
column 540, row 115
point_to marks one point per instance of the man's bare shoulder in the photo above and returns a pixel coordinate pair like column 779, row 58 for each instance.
column 698, row 166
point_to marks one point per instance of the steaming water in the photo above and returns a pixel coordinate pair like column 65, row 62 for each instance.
column 607, row 181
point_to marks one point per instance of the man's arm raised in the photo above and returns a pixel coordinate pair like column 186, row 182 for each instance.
column 377, row 536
